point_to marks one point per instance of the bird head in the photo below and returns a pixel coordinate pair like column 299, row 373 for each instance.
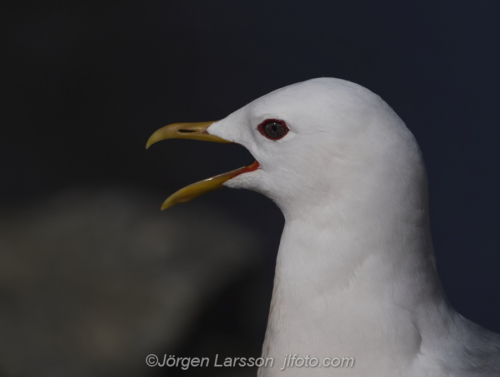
column 313, row 141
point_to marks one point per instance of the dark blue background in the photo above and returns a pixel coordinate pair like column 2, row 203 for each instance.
column 84, row 85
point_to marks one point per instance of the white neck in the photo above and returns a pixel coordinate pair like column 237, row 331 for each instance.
column 345, row 286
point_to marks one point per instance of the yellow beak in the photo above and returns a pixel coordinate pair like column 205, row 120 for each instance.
column 196, row 131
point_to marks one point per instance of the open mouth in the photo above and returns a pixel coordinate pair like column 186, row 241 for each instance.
column 196, row 131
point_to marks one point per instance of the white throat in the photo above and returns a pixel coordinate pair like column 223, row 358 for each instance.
column 356, row 278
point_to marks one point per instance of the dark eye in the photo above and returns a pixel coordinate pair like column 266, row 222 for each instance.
column 273, row 129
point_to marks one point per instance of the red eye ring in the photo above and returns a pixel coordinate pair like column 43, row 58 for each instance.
column 273, row 129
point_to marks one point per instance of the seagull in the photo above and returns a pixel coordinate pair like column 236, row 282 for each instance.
column 355, row 271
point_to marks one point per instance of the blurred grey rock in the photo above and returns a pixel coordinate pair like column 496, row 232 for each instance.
column 92, row 281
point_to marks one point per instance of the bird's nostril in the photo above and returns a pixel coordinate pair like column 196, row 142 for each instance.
column 185, row 131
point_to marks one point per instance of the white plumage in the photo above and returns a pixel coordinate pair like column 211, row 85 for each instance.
column 355, row 274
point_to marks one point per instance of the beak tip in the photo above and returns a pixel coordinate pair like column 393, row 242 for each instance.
column 167, row 204
column 150, row 142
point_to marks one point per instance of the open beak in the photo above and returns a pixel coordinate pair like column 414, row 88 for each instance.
column 196, row 131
